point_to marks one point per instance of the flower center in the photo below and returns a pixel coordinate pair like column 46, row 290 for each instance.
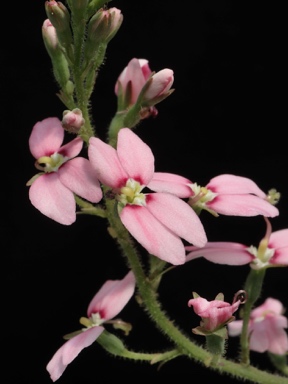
column 202, row 195
column 93, row 321
column 131, row 193
column 50, row 163
column 262, row 254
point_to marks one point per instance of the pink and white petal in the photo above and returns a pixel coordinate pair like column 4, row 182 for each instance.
column 258, row 338
column 270, row 305
column 222, row 256
column 178, row 216
column 170, row 183
column 105, row 162
column 135, row 156
column 53, row 199
column 235, row 328
column 279, row 239
column 231, row 184
column 70, row 350
column 280, row 257
column 242, row 205
column 46, row 137
column 278, row 342
column 112, row 297
column 157, row 239
column 79, row 176
column 72, row 149
column 219, row 244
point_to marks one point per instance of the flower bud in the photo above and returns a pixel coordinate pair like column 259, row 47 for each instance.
column 159, row 87
column 73, row 120
column 59, row 62
column 59, row 16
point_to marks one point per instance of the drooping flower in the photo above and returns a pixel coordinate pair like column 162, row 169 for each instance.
column 271, row 252
column 214, row 314
column 137, row 80
column 157, row 221
column 62, row 173
column 105, row 305
column 266, row 328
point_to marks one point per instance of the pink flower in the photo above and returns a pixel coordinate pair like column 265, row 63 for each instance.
column 137, row 80
column 215, row 314
column 266, row 328
column 157, row 221
column 272, row 251
column 105, row 305
column 229, row 195
column 52, row 190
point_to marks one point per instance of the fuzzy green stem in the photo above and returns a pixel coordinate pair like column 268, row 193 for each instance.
column 253, row 287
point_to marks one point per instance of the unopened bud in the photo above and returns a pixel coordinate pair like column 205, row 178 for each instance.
column 73, row 120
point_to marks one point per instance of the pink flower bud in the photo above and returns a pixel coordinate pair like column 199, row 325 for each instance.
column 49, row 35
column 160, row 85
column 73, row 120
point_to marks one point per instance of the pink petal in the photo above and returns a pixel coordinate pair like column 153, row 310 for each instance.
column 46, row 137
column 171, row 183
column 152, row 235
column 242, row 205
column 53, row 199
column 221, row 253
column 258, row 340
column 280, row 256
column 235, row 327
column 178, row 216
column 278, row 239
column 72, row 148
column 70, row 350
column 232, row 184
column 270, row 305
column 112, row 297
column 105, row 161
column 135, row 156
column 79, row 176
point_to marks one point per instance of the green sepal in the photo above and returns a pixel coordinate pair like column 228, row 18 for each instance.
column 111, row 343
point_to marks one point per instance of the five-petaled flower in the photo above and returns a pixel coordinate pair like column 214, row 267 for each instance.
column 157, row 221
column 266, row 328
column 62, row 173
column 271, row 252
column 105, row 305
column 214, row 314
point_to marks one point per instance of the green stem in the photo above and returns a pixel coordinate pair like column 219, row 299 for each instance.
column 253, row 287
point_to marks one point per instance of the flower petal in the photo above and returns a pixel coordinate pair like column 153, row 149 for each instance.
column 105, row 161
column 178, row 216
column 152, row 235
column 221, row 253
column 280, row 256
column 171, row 183
column 242, row 205
column 72, row 148
column 232, row 184
column 70, row 350
column 53, row 199
column 46, row 137
column 112, row 297
column 79, row 176
column 278, row 239
column 135, row 156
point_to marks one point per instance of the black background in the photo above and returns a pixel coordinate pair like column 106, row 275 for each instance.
column 227, row 115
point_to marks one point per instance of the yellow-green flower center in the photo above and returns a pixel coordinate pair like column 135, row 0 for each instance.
column 131, row 193
column 50, row 163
